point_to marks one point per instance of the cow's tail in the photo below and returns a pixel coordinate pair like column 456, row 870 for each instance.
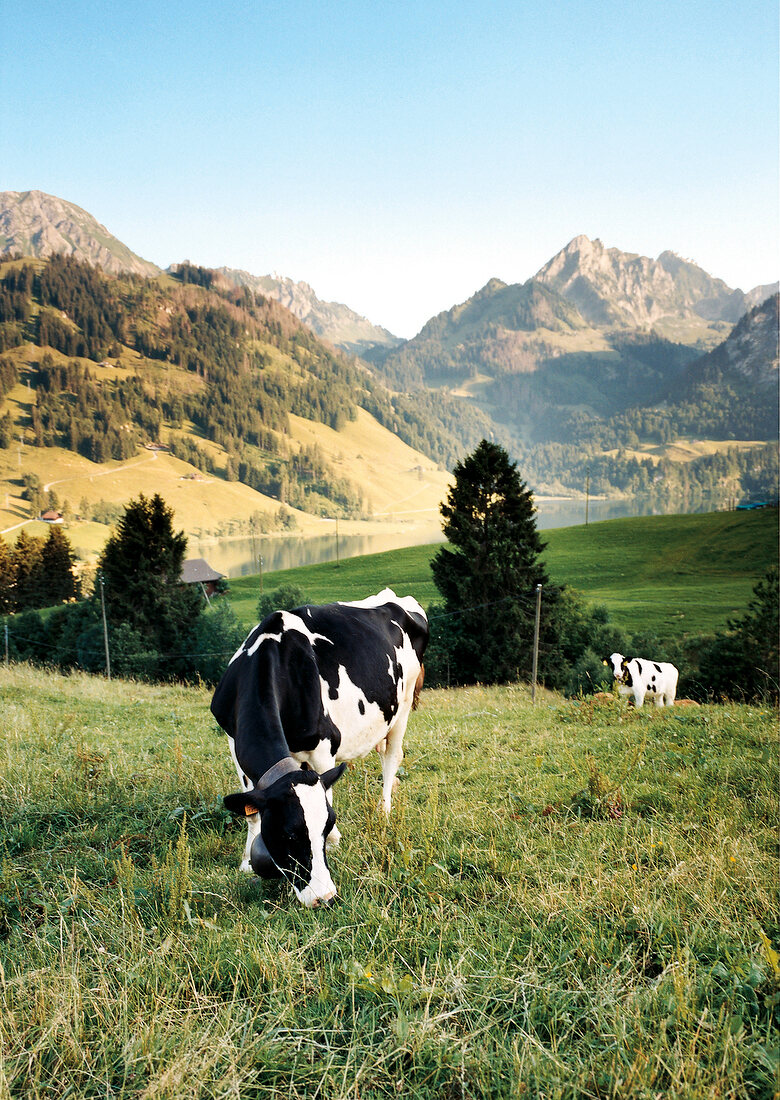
column 418, row 687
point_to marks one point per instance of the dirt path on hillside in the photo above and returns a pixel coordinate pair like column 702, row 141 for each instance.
column 102, row 473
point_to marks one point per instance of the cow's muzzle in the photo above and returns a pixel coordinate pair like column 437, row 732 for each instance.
column 261, row 861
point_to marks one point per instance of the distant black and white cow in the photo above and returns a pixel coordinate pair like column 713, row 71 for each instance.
column 638, row 677
column 307, row 691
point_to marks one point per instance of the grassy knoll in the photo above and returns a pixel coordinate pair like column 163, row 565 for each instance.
column 405, row 570
column 569, row 900
column 672, row 575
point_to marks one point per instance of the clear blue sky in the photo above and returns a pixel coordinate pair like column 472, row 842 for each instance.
column 397, row 155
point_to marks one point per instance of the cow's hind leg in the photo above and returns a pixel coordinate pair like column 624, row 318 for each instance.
column 391, row 759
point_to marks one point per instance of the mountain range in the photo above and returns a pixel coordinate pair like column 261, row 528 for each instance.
column 600, row 348
column 34, row 223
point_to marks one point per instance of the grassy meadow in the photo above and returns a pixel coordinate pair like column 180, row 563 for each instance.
column 669, row 575
column 569, row 900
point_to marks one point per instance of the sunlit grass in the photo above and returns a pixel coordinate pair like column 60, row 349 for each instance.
column 670, row 575
column 501, row 935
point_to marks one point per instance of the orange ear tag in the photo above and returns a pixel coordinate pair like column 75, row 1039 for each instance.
column 250, row 812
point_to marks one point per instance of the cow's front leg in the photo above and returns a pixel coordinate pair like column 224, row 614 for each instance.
column 252, row 830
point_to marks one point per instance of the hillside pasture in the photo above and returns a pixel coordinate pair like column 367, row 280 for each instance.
column 669, row 575
column 569, row 900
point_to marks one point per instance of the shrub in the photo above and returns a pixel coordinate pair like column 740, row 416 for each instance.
column 284, row 598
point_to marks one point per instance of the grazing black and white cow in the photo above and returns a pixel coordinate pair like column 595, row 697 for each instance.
column 638, row 677
column 307, row 691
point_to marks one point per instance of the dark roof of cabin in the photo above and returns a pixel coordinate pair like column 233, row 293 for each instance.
column 198, row 571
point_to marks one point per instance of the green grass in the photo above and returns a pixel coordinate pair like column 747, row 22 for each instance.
column 569, row 900
column 405, row 571
column 671, row 575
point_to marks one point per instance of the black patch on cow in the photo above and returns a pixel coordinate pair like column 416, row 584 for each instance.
column 658, row 668
column 361, row 706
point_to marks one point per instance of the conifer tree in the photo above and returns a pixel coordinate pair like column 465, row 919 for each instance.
column 58, row 579
column 488, row 573
column 141, row 566
column 7, row 578
column 27, row 572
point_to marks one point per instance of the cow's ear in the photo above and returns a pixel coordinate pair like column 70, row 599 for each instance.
column 328, row 778
column 244, row 804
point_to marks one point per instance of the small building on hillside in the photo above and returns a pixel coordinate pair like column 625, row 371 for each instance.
column 51, row 516
column 198, row 571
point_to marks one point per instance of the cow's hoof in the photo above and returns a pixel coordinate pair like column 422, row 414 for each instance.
column 247, row 867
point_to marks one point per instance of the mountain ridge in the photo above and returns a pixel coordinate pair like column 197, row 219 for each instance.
column 35, row 223
column 612, row 288
column 333, row 321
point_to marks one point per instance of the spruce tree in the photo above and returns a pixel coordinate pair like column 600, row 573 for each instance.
column 141, row 566
column 27, row 572
column 488, row 573
column 58, row 579
column 7, row 578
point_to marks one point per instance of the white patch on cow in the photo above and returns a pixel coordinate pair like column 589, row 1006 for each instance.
column 363, row 731
column 242, row 777
column 359, row 732
column 408, row 603
column 252, row 643
column 295, row 622
column 315, row 813
column 289, row 622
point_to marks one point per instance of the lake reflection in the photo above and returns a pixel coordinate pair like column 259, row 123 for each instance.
column 240, row 557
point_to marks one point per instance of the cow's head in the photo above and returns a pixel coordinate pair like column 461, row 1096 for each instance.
column 617, row 662
column 295, row 820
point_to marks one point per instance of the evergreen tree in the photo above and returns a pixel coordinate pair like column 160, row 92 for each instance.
column 744, row 662
column 58, row 579
column 141, row 566
column 7, row 578
column 489, row 572
column 27, row 572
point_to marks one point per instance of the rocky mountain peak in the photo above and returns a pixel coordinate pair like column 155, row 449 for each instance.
column 37, row 224
column 616, row 289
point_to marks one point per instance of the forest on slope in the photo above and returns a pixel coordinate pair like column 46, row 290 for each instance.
column 237, row 367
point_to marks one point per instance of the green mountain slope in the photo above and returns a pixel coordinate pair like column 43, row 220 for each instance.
column 97, row 367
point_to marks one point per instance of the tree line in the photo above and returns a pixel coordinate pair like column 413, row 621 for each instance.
column 489, row 576
column 37, row 572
